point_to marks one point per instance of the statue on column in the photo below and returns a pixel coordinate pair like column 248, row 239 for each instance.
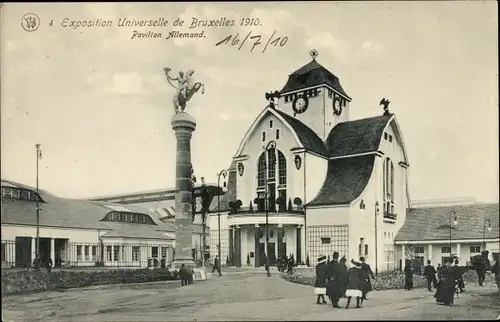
column 186, row 87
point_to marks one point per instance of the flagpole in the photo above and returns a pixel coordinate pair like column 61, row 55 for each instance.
column 37, row 249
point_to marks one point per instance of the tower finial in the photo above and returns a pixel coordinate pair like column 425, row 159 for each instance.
column 313, row 53
column 271, row 98
column 385, row 102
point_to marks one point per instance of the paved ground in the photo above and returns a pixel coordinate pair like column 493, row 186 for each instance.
column 249, row 296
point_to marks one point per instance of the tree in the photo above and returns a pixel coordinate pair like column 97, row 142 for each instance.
column 290, row 205
column 248, row 259
column 307, row 261
column 250, row 208
column 205, row 208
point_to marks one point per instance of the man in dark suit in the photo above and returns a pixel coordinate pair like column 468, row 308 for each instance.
column 334, row 280
column 216, row 266
column 367, row 271
column 430, row 275
column 482, row 264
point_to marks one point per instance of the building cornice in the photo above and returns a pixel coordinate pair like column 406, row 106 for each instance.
column 353, row 155
column 446, row 242
column 314, row 87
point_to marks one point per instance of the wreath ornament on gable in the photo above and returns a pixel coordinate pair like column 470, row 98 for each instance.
column 337, row 106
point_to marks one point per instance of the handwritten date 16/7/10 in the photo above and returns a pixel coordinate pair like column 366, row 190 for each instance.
column 254, row 40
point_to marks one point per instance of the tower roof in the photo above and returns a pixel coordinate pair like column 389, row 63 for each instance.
column 312, row 74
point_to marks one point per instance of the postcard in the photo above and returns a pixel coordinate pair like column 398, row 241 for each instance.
column 203, row 161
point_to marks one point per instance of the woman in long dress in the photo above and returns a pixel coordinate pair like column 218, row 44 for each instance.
column 320, row 283
column 355, row 284
column 445, row 293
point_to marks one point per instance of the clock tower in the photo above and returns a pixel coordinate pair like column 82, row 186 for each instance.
column 314, row 96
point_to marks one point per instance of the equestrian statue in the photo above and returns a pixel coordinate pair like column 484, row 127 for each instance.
column 186, row 87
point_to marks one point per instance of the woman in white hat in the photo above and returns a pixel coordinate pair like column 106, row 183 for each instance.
column 320, row 283
column 355, row 284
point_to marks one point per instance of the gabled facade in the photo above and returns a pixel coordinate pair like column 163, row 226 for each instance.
column 323, row 181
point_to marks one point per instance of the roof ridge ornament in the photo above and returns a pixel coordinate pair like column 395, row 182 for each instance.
column 385, row 102
column 313, row 53
column 271, row 96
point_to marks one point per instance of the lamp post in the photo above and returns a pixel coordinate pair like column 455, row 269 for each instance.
column 376, row 238
column 270, row 149
column 203, row 219
column 38, row 157
column 223, row 173
column 487, row 220
column 455, row 222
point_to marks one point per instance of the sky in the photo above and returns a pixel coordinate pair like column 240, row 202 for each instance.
column 100, row 106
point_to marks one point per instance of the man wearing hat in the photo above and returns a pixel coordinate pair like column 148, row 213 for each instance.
column 367, row 273
column 481, row 263
column 320, row 283
column 334, row 284
column 345, row 276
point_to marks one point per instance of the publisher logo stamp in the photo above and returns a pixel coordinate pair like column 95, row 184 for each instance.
column 30, row 22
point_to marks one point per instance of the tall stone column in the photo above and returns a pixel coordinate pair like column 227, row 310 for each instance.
column 257, row 246
column 231, row 246
column 298, row 238
column 183, row 124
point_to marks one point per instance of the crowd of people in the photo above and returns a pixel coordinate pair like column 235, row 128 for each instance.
column 287, row 263
column 335, row 280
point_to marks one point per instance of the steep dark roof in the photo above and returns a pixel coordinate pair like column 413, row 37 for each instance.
column 346, row 179
column 230, row 194
column 309, row 139
column 312, row 74
column 357, row 136
column 432, row 223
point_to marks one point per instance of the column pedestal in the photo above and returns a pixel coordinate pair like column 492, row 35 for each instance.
column 183, row 124
column 237, row 241
column 231, row 247
column 257, row 246
column 298, row 246
column 53, row 251
column 33, row 250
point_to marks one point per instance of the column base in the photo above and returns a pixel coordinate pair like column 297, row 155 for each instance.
column 177, row 263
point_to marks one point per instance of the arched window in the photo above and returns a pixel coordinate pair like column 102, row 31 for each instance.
column 276, row 178
column 391, row 182
column 281, row 168
column 261, row 171
column 271, row 161
column 130, row 217
column 388, row 186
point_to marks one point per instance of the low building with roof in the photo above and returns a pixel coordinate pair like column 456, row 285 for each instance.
column 439, row 230
column 331, row 183
column 162, row 203
column 82, row 232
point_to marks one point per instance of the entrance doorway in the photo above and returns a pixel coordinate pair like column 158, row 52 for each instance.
column 282, row 250
column 60, row 252
column 271, row 191
column 45, row 251
column 271, row 253
column 23, row 252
